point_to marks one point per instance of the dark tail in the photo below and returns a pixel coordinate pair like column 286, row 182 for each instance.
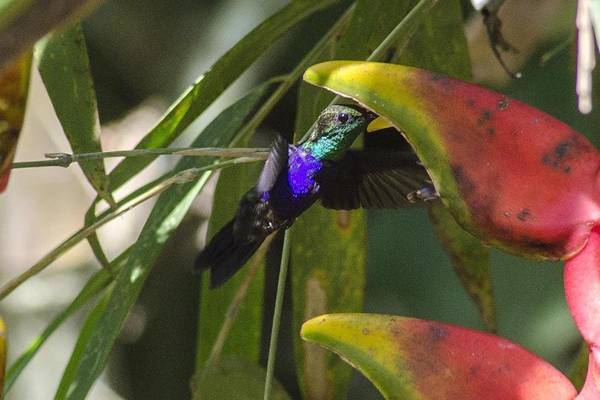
column 224, row 256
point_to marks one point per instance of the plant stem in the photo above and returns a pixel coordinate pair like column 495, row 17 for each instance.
column 184, row 176
column 285, row 256
column 64, row 159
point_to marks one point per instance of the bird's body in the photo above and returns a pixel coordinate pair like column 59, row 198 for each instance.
column 295, row 176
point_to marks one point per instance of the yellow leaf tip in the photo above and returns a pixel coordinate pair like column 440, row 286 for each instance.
column 312, row 76
column 319, row 74
column 378, row 124
column 311, row 327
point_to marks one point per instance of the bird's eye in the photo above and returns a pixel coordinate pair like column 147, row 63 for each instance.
column 343, row 118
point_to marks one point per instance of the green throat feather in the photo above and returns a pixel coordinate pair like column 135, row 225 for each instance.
column 334, row 132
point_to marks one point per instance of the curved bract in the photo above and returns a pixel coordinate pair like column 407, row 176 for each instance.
column 510, row 174
column 408, row 358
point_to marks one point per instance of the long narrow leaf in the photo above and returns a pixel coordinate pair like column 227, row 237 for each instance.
column 105, row 320
column 92, row 288
column 329, row 250
column 65, row 69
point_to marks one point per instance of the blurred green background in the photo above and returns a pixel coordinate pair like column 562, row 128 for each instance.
column 152, row 49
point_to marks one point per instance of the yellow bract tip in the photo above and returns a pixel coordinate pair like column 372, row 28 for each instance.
column 378, row 124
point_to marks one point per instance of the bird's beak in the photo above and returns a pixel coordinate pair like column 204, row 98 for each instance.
column 378, row 124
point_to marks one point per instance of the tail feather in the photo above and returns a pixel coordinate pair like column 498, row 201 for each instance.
column 225, row 256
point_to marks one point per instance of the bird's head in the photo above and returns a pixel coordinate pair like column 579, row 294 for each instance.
column 335, row 130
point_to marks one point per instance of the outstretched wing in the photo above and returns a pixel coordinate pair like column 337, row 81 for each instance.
column 372, row 179
column 275, row 164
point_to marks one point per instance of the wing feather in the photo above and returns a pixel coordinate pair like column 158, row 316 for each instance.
column 372, row 179
column 275, row 164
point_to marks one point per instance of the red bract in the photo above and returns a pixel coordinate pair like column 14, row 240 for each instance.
column 408, row 358
column 508, row 173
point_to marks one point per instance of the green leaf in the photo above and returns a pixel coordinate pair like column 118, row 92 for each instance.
column 106, row 319
column 210, row 85
column 471, row 261
column 65, row 69
column 329, row 252
column 407, row 358
column 98, row 282
column 236, row 379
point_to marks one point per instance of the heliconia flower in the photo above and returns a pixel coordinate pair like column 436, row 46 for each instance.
column 511, row 175
column 407, row 358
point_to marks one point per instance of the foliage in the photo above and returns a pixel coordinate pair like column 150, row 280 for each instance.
column 508, row 175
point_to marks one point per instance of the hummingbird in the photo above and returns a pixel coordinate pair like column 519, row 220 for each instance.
column 320, row 166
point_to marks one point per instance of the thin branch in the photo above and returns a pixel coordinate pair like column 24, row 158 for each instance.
column 186, row 176
column 65, row 159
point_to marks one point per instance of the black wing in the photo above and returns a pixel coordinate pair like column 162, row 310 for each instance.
column 276, row 162
column 372, row 179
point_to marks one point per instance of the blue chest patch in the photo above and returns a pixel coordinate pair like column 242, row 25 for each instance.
column 302, row 168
